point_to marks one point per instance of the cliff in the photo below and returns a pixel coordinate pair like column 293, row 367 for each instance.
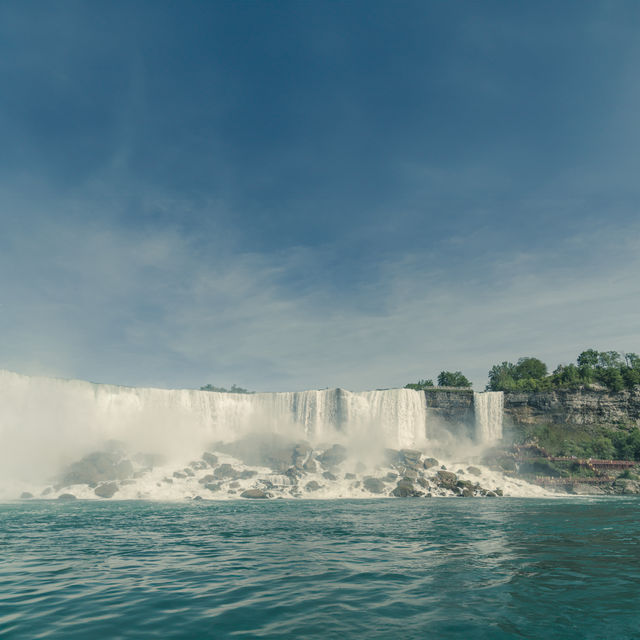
column 574, row 407
column 570, row 407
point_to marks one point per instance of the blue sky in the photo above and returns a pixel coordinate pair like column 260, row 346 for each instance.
column 290, row 195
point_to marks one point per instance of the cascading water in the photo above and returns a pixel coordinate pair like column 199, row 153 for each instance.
column 488, row 409
column 46, row 423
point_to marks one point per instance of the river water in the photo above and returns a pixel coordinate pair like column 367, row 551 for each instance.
column 437, row 568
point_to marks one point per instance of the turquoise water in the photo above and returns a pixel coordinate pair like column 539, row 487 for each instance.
column 440, row 568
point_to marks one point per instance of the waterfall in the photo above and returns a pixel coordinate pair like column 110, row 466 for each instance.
column 488, row 409
column 48, row 423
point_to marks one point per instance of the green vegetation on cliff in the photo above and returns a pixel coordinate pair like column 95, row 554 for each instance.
column 452, row 379
column 610, row 369
column 234, row 389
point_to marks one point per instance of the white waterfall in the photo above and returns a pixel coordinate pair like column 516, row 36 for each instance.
column 48, row 423
column 488, row 409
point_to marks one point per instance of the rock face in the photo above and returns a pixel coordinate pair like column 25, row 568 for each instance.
column 583, row 406
column 373, row 485
column 454, row 408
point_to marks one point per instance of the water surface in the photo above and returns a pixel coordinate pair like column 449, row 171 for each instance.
column 440, row 568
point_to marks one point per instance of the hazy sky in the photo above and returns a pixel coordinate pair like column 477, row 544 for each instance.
column 289, row 195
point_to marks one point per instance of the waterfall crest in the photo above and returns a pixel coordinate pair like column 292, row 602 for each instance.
column 47, row 423
column 488, row 408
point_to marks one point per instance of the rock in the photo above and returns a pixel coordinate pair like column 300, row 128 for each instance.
column 293, row 473
column 390, row 477
column 329, row 476
column 580, row 489
column 404, row 489
column 168, row 480
column 47, row 491
column 197, row 497
column 226, row 471
column 100, row 466
column 474, row 471
column 466, row 493
column 446, row 479
column 460, row 471
column 498, row 492
column 430, row 462
column 208, row 478
column 66, row 496
column 312, row 486
column 423, row 482
column 625, row 486
column 491, row 494
column 198, row 465
column 443, row 468
column 254, row 494
column 210, row 458
column 247, row 473
column 411, row 458
column 412, row 474
column 310, row 466
column 179, row 475
column 334, row 456
column 234, row 485
column 301, row 451
column 189, row 472
column 106, row 490
column 393, row 456
column 211, row 486
column 373, row 485
column 349, row 476
column 25, row 495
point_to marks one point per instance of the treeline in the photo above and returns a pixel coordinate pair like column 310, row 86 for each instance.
column 611, row 369
column 234, row 389
column 445, row 379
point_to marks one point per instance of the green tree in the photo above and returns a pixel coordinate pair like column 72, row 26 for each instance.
column 453, row 379
column 501, row 377
column 420, row 385
column 588, row 358
column 609, row 360
column 530, row 368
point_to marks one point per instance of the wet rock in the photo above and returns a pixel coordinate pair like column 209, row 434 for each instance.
column 474, row 471
column 498, row 492
column 312, row 486
column 197, row 497
column 211, row 486
column 625, row 486
column 254, row 494
column 66, row 497
column 179, row 475
column 188, row 472
column 310, row 466
column 407, row 472
column 390, row 477
column 210, row 458
column 293, row 473
column 167, row 480
column 446, row 479
column 349, row 476
column 467, row 493
column 234, row 485
column 443, row 468
column 106, row 490
column 586, row 489
column 491, row 494
column 404, row 489
column 301, row 451
column 356, row 484
column 411, row 458
column 47, row 491
column 334, row 456
column 373, row 485
column 430, row 462
column 100, row 466
column 25, row 495
column 423, row 482
column 459, row 471
column 393, row 456
column 208, row 478
column 247, row 473
column 227, row 472
column 198, row 465
column 329, row 476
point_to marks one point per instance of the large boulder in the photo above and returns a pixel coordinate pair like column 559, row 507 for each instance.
column 96, row 467
column 226, row 472
column 210, row 458
column 446, row 479
column 404, row 489
column 373, row 485
column 66, row 497
column 430, row 462
column 312, row 486
column 106, row 490
column 474, row 471
column 411, row 458
column 333, row 456
column 254, row 494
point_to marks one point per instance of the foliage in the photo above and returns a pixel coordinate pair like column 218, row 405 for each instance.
column 582, row 441
column 420, row 385
column 453, row 379
column 608, row 368
column 234, row 389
